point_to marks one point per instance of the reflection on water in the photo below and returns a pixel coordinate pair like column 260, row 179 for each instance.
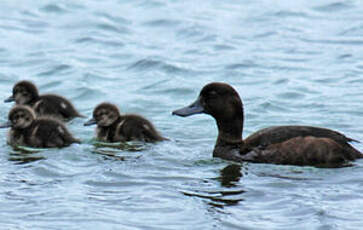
column 117, row 150
column 23, row 154
column 218, row 198
column 24, row 157
column 125, row 146
column 230, row 174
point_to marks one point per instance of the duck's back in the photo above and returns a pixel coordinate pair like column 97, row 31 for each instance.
column 55, row 105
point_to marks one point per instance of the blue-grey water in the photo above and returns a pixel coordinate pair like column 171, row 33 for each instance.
column 293, row 62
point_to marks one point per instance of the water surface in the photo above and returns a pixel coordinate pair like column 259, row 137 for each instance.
column 293, row 62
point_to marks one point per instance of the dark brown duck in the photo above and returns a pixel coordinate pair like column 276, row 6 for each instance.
column 288, row 145
column 26, row 93
column 41, row 132
column 114, row 127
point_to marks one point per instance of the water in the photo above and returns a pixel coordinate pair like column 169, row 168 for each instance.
column 293, row 62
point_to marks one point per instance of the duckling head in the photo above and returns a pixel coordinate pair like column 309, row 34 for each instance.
column 104, row 115
column 20, row 117
column 24, row 92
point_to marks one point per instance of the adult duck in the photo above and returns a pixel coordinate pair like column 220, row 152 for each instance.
column 287, row 145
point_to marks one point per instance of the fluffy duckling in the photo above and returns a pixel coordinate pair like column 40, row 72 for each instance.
column 26, row 93
column 114, row 127
column 291, row 145
column 28, row 130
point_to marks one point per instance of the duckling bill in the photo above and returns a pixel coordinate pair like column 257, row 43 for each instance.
column 26, row 93
column 289, row 145
column 114, row 127
column 42, row 132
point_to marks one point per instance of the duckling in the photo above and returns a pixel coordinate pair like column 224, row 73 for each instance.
column 40, row 132
column 26, row 93
column 114, row 127
column 289, row 145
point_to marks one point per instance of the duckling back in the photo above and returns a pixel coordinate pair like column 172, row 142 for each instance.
column 55, row 106
column 135, row 127
column 48, row 132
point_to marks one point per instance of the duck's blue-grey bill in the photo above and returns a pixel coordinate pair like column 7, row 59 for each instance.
column 194, row 108
column 5, row 125
column 91, row 121
column 9, row 99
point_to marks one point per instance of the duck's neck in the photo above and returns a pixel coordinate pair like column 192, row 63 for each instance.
column 229, row 141
column 230, row 132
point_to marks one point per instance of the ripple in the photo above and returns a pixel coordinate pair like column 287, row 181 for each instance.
column 115, row 19
column 290, row 14
column 246, row 64
column 147, row 64
column 195, row 31
column 340, row 41
column 353, row 31
column 162, row 23
column 224, row 47
column 54, row 8
column 290, row 95
column 101, row 42
column 57, row 70
column 85, row 94
column 112, row 28
column 333, row 7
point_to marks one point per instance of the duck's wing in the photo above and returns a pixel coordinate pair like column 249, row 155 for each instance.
column 279, row 134
column 303, row 151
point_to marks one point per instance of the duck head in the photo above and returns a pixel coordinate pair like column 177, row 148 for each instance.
column 223, row 103
column 104, row 115
column 217, row 99
column 20, row 117
column 24, row 92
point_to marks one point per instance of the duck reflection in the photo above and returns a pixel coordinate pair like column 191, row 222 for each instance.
column 219, row 198
column 24, row 155
column 113, row 150
column 230, row 175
